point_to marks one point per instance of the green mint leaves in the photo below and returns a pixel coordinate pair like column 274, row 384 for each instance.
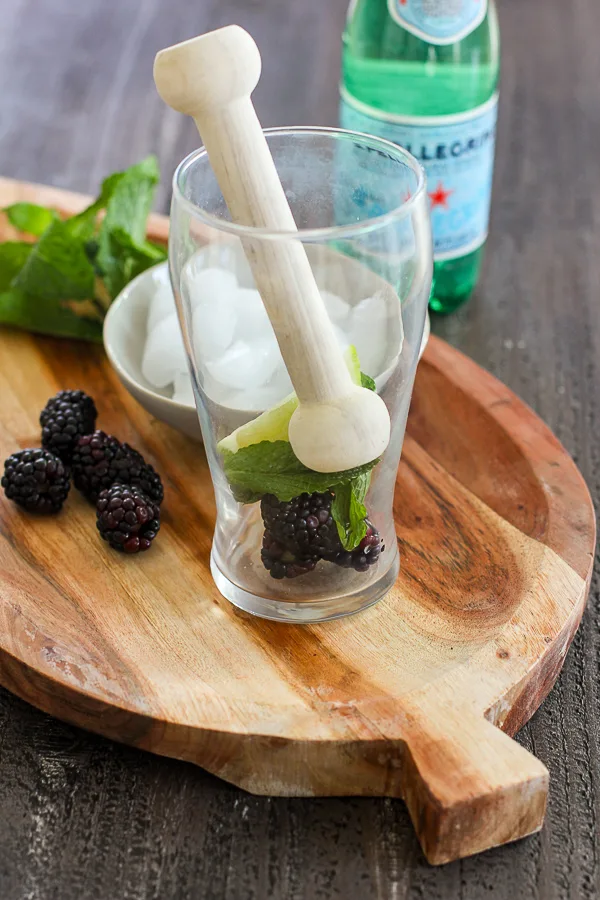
column 123, row 251
column 57, row 268
column 62, row 284
column 271, row 467
column 367, row 381
column 349, row 511
column 30, row 218
column 46, row 317
column 13, row 256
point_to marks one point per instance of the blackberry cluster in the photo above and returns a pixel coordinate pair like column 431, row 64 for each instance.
column 304, row 524
column 127, row 519
column 301, row 531
column 37, row 480
column 100, row 460
column 64, row 419
column 127, row 491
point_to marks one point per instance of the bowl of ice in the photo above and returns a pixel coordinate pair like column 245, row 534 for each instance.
column 243, row 371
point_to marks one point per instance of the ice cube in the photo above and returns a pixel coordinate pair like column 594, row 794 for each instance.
column 252, row 319
column 217, row 392
column 281, row 382
column 337, row 308
column 162, row 304
column 182, row 389
column 211, row 285
column 255, row 400
column 164, row 353
column 368, row 332
column 246, row 366
column 342, row 338
column 213, row 326
column 250, row 398
column 276, row 389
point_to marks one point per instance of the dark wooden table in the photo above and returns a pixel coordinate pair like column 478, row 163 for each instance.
column 85, row 819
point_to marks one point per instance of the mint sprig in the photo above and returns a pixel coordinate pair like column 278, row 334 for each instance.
column 62, row 284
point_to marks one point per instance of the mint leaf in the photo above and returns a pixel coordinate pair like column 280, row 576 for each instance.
column 340, row 510
column 348, row 510
column 13, row 255
column 123, row 251
column 271, row 467
column 83, row 225
column 45, row 316
column 108, row 187
column 139, row 255
column 127, row 259
column 29, row 217
column 131, row 198
column 57, row 268
column 146, row 249
column 52, row 287
column 367, row 382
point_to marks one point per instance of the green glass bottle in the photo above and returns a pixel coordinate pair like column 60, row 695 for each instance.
column 424, row 73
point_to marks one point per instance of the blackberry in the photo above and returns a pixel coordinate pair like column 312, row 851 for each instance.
column 302, row 531
column 100, row 460
column 127, row 519
column 362, row 557
column 303, row 525
column 37, row 480
column 282, row 563
column 65, row 418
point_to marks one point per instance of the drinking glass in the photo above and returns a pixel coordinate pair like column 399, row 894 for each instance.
column 360, row 207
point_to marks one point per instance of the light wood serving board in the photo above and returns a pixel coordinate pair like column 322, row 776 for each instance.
column 414, row 698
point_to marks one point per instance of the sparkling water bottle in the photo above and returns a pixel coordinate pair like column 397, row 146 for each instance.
column 424, row 73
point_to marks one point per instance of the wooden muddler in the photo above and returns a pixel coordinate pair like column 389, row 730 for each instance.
column 338, row 424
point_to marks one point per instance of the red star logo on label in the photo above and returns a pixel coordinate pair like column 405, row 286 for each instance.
column 439, row 197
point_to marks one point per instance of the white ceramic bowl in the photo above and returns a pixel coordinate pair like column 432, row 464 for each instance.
column 124, row 340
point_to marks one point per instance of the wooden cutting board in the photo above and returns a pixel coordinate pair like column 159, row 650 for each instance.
column 414, row 698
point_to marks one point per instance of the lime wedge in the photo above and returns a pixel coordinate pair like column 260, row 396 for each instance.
column 353, row 363
column 273, row 424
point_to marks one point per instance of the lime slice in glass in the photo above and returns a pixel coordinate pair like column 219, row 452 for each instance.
column 272, row 425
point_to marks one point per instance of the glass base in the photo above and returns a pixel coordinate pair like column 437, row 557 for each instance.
column 307, row 611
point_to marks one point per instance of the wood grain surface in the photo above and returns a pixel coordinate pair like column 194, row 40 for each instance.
column 81, row 817
column 497, row 535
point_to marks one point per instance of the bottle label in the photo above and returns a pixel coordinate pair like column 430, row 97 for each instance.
column 457, row 153
column 439, row 21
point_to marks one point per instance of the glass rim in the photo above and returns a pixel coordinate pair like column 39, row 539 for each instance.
column 307, row 234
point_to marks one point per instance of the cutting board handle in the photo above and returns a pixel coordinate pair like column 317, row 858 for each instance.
column 468, row 786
